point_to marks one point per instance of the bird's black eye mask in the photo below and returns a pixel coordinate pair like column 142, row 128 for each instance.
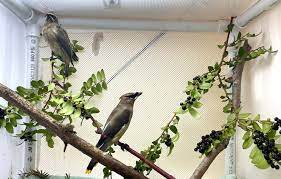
column 134, row 95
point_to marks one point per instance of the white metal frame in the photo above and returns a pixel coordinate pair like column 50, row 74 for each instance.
column 32, row 19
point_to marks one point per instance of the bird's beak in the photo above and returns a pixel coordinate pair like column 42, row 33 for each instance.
column 137, row 94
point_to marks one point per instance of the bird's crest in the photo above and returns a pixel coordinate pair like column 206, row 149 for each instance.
column 130, row 96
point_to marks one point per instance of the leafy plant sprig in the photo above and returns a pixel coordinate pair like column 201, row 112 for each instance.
column 59, row 101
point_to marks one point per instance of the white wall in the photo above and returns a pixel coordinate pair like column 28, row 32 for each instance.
column 161, row 73
column 261, row 86
column 12, row 74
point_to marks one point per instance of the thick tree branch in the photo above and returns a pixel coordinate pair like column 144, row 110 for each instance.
column 68, row 137
column 236, row 100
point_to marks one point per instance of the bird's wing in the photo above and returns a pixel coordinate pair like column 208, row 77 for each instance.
column 116, row 121
column 63, row 40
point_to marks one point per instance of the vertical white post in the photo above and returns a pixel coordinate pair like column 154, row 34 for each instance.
column 230, row 152
column 32, row 40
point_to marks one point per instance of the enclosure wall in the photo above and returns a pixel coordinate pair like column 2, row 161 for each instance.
column 12, row 74
column 261, row 86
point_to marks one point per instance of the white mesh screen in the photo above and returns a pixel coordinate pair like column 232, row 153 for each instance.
column 161, row 73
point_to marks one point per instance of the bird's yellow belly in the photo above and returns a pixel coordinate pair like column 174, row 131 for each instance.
column 119, row 134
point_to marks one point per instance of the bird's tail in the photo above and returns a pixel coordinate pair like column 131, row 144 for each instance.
column 74, row 56
column 91, row 165
column 66, row 69
column 93, row 162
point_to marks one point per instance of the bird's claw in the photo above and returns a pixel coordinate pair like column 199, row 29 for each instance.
column 123, row 146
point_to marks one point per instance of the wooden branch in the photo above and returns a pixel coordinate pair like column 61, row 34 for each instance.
column 236, row 100
column 68, row 137
column 207, row 161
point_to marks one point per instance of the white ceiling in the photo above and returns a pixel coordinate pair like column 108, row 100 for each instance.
column 194, row 10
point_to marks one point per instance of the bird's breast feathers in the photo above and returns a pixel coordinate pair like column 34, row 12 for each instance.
column 50, row 32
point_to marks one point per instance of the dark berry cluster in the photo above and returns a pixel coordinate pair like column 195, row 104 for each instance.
column 168, row 141
column 189, row 101
column 2, row 113
column 207, row 140
column 197, row 79
column 276, row 124
column 267, row 146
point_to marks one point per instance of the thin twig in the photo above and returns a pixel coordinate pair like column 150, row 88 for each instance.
column 167, row 126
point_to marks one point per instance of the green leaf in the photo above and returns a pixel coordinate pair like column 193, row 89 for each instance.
column 67, row 109
column 98, row 87
column 2, row 123
column 220, row 46
column 102, row 74
column 57, row 100
column 22, row 91
column 197, row 104
column 90, row 82
column 247, row 143
column 266, row 126
column 171, row 148
column 37, row 84
column 93, row 110
column 50, row 141
column 79, row 47
column 256, row 126
column 246, row 135
column 94, row 78
column 258, row 117
column 227, row 108
column 231, row 117
column 205, row 85
column 104, row 85
column 67, row 85
column 58, row 77
column 76, row 114
column 241, row 52
column 74, row 42
column 189, row 87
column 45, row 59
column 9, row 127
column 173, row 129
column 51, row 86
column 94, row 90
column 244, row 115
column 14, row 116
column 99, row 76
column 253, row 152
column 193, row 112
column 88, row 93
column 271, row 134
column 259, row 160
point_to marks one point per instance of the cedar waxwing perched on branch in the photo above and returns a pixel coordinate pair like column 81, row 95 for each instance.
column 116, row 124
column 59, row 41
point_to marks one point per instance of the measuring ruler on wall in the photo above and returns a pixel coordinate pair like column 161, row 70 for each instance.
column 31, row 74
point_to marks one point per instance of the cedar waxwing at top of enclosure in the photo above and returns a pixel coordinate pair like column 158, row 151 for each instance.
column 116, row 124
column 59, row 41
